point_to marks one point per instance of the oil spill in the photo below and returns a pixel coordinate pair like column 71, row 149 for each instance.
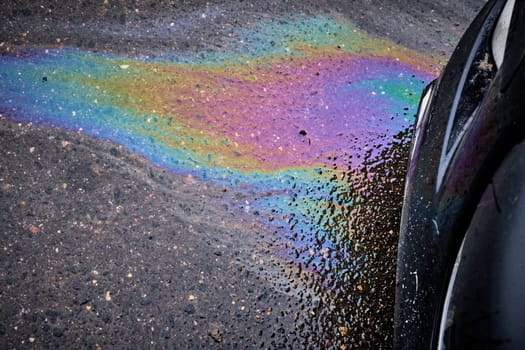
column 299, row 127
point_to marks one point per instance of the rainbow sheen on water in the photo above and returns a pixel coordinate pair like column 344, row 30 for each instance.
column 306, row 117
column 287, row 100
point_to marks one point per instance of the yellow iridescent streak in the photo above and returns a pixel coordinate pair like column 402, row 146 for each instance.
column 192, row 104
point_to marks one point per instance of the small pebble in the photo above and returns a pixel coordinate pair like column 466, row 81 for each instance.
column 214, row 330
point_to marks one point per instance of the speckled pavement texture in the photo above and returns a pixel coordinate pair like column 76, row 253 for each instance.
column 102, row 249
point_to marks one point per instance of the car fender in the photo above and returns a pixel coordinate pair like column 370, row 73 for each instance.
column 485, row 301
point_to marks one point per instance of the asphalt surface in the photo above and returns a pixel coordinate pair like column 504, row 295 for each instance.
column 99, row 248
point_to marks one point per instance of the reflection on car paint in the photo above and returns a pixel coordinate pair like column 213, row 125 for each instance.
column 475, row 79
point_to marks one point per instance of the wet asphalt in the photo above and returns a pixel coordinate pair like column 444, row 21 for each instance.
column 101, row 249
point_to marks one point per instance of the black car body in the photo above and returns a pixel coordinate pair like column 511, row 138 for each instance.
column 461, row 262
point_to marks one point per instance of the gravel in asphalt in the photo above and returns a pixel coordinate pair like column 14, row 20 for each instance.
column 101, row 249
